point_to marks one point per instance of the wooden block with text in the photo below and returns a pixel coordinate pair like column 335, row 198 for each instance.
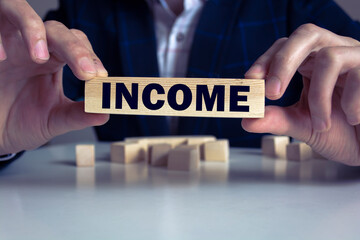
column 159, row 153
column 298, row 151
column 274, row 146
column 217, row 151
column 126, row 152
column 196, row 97
column 85, row 155
column 184, row 158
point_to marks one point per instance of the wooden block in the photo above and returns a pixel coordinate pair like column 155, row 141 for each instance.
column 200, row 140
column 197, row 97
column 85, row 155
column 126, row 152
column 298, row 151
column 274, row 146
column 216, row 151
column 159, row 153
column 173, row 141
column 144, row 145
column 184, row 158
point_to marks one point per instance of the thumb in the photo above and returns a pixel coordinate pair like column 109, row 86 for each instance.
column 71, row 116
column 289, row 121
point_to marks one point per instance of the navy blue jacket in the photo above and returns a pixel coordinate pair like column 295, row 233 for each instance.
column 230, row 36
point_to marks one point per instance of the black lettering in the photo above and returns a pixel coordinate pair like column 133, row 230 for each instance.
column 146, row 96
column 106, row 95
column 131, row 99
column 172, row 97
column 235, row 98
column 203, row 91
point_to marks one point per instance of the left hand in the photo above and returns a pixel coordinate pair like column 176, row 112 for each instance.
column 327, row 116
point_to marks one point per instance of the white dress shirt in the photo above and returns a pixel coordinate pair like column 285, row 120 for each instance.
column 174, row 35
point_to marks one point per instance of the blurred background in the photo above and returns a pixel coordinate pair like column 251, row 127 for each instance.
column 41, row 6
column 352, row 7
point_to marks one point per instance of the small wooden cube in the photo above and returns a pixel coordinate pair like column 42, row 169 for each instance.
column 143, row 143
column 159, row 153
column 216, row 151
column 184, row 158
column 274, row 146
column 198, row 140
column 85, row 155
column 298, row 151
column 173, row 141
column 126, row 152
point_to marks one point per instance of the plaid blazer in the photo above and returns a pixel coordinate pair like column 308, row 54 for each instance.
column 230, row 36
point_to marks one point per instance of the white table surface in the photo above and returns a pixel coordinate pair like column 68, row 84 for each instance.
column 44, row 196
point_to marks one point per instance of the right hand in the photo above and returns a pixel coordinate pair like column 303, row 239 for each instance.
column 32, row 55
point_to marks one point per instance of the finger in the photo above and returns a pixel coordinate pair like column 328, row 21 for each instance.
column 101, row 71
column 67, row 47
column 330, row 64
column 71, row 116
column 306, row 39
column 20, row 14
column 2, row 51
column 350, row 98
column 324, row 77
column 281, row 121
column 260, row 67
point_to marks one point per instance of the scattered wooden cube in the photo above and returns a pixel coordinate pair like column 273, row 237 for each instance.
column 298, row 151
column 159, row 153
column 85, row 155
column 184, row 158
column 173, row 141
column 126, row 152
column 199, row 140
column 144, row 145
column 274, row 146
column 216, row 151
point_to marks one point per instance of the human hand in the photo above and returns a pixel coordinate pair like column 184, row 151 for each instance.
column 33, row 106
column 327, row 116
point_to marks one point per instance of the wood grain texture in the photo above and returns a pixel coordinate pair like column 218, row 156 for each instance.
column 254, row 99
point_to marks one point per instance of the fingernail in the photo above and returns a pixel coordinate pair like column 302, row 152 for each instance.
column 256, row 71
column 102, row 72
column 273, row 87
column 318, row 124
column 41, row 50
column 87, row 65
column 101, row 69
